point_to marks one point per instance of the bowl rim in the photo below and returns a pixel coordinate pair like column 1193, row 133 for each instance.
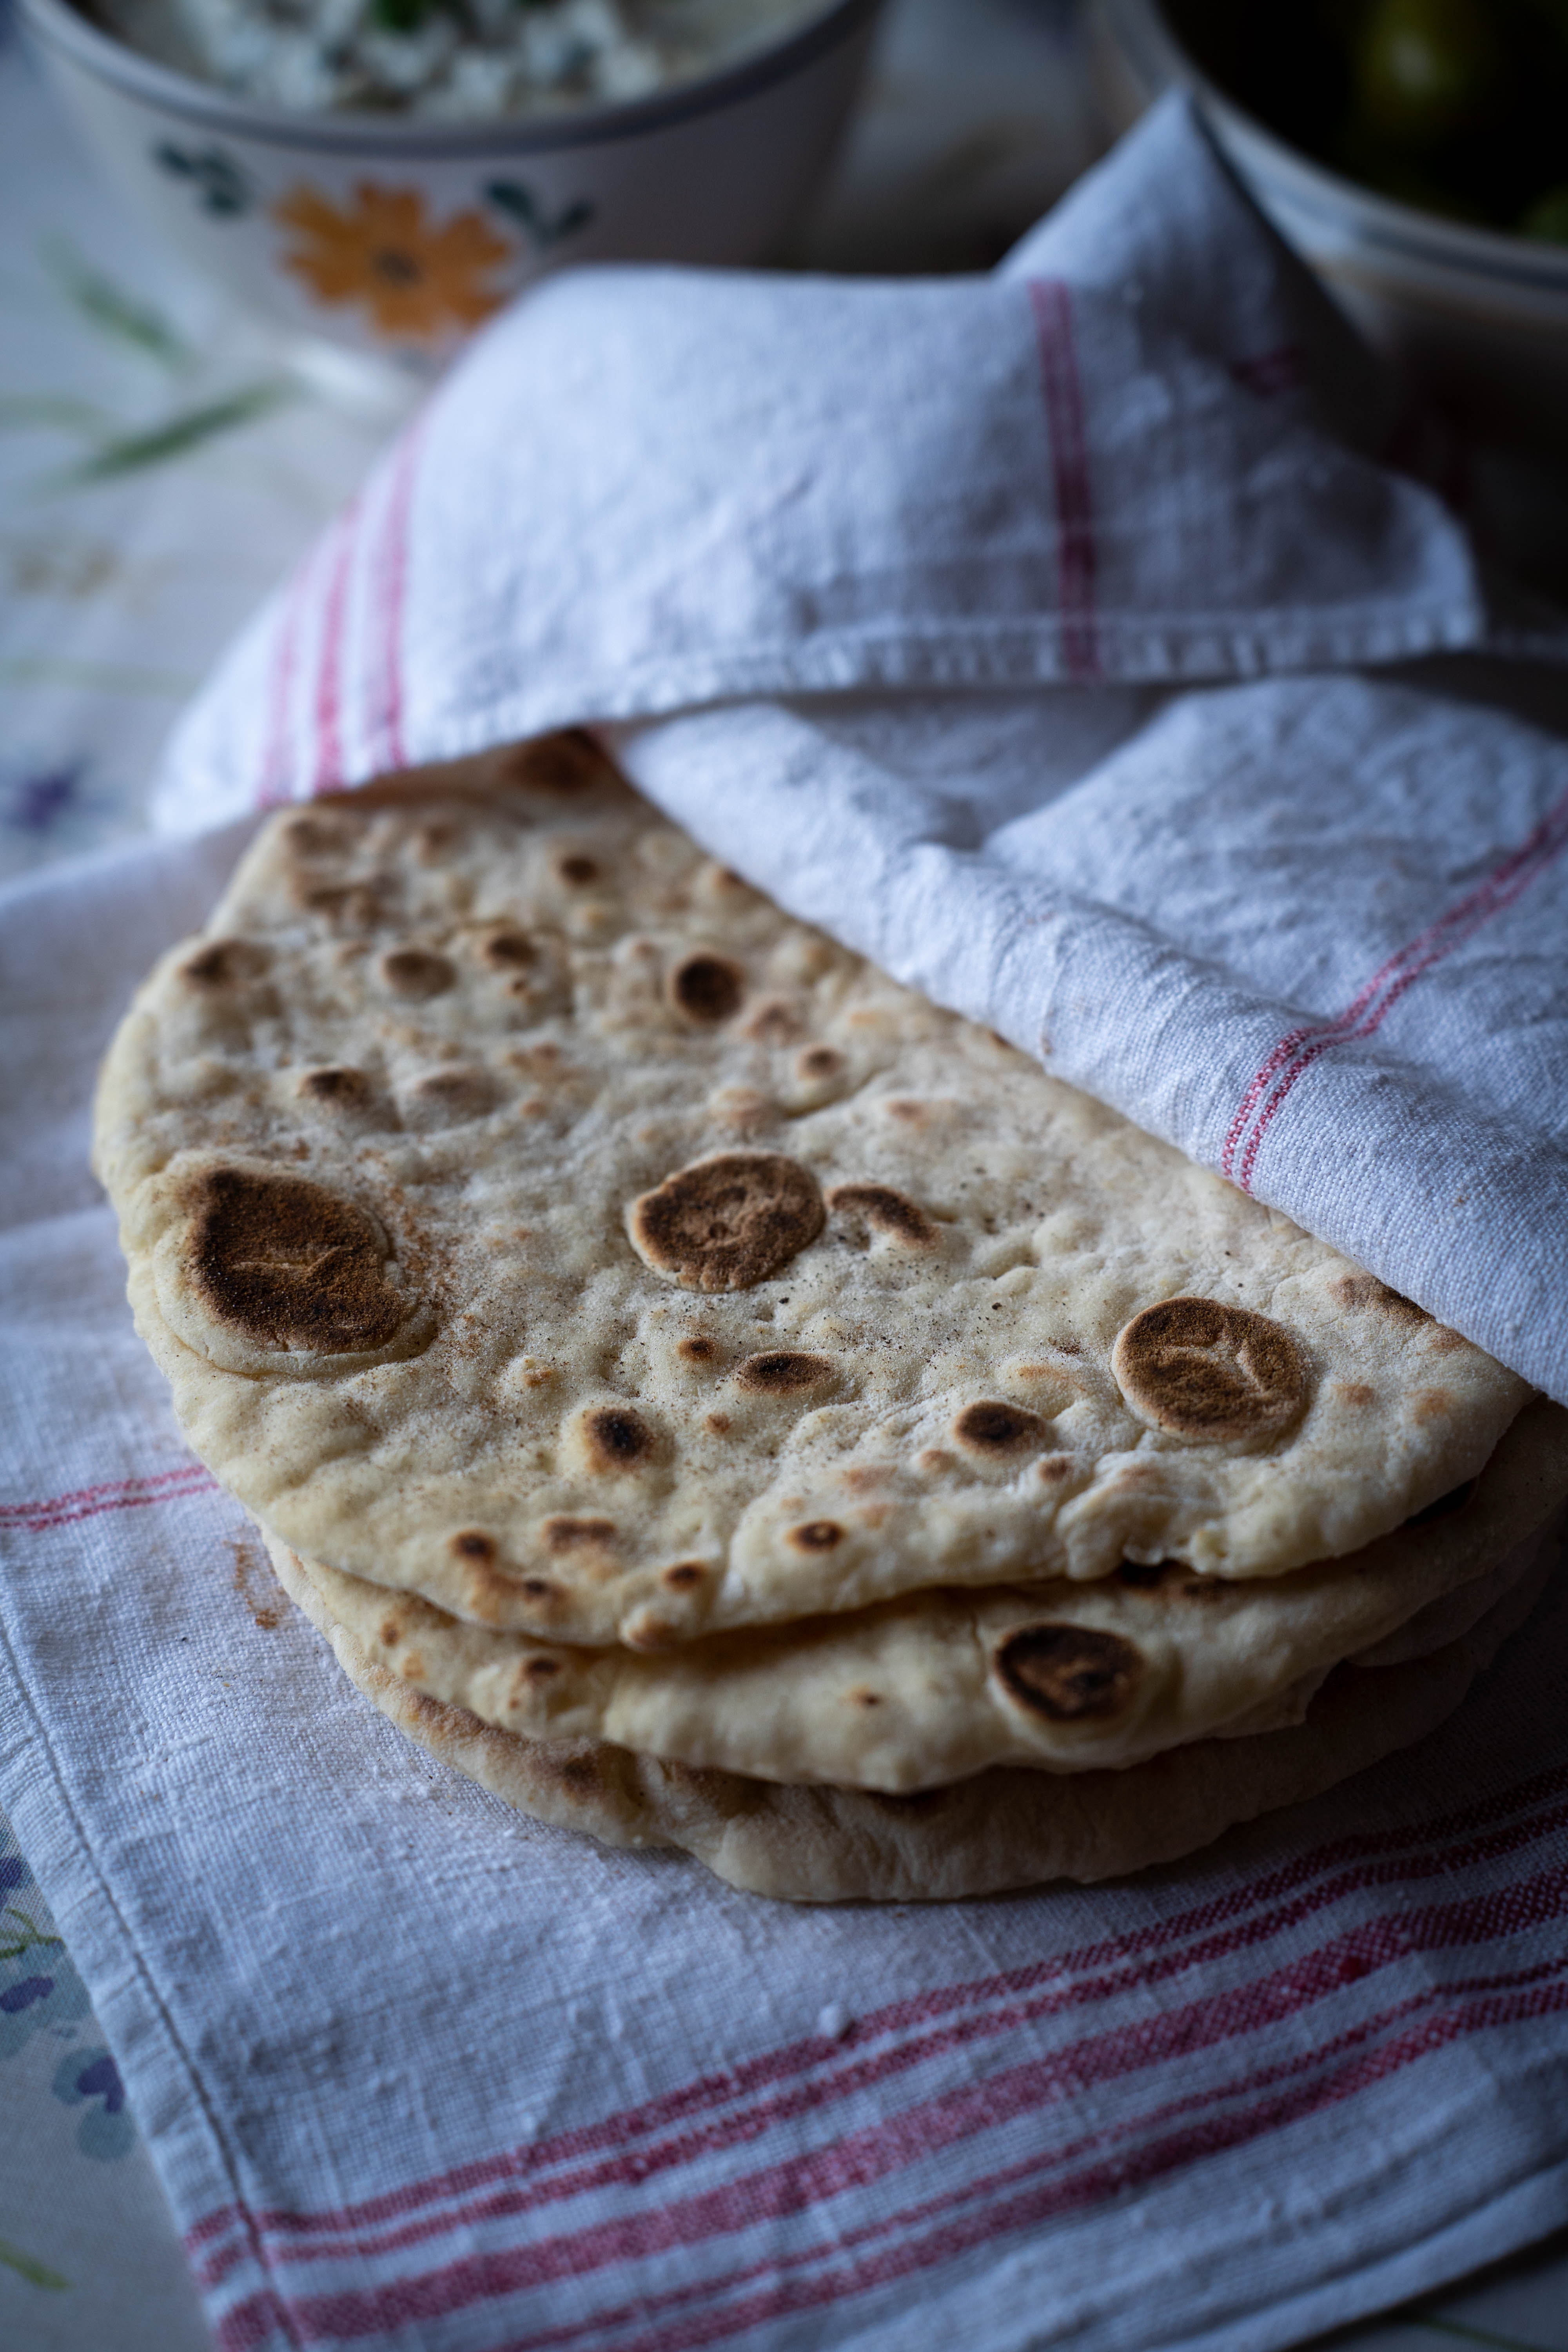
column 1389, row 222
column 57, row 23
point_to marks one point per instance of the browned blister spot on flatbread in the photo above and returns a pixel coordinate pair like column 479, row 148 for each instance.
column 578, row 1774
column 1203, row 1368
column 416, row 972
column 707, row 989
column 816, row 1535
column 617, row 1438
column 696, row 1349
column 1431, row 1404
column 339, row 1087
column 1070, row 1674
column 784, row 1371
column 998, row 1432
column 508, row 948
column 819, row 1062
column 349, row 906
column 566, row 1532
column 472, row 1543
column 878, row 1208
column 489, row 1594
column 684, row 1576
column 725, row 1223
column 456, row 1092
column 291, row 1264
column 225, row 964
column 1364, row 1292
column 577, row 869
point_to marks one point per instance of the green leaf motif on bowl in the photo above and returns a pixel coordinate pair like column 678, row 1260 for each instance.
column 216, row 180
column 533, row 213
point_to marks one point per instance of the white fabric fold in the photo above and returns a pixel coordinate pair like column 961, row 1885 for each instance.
column 649, row 488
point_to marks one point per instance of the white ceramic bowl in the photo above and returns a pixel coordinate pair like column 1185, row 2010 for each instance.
column 397, row 235
column 1477, row 317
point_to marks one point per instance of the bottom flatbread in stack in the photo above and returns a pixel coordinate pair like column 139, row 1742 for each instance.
column 721, row 1401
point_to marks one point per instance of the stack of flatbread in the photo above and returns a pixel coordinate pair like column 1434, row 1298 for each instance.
column 718, row 1399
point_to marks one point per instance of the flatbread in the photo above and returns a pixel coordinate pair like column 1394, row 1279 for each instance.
column 1001, row 1829
column 935, row 1686
column 529, row 1215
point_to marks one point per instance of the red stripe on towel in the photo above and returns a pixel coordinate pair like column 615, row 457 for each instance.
column 278, row 759
column 922, row 2248
column 328, row 677
column 1063, row 392
column 799, row 2183
column 1364, row 1015
column 113, row 1494
column 632, row 2169
column 393, row 582
column 1357, row 1863
column 1183, row 2108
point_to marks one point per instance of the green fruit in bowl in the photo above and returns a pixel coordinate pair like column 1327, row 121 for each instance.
column 1426, row 70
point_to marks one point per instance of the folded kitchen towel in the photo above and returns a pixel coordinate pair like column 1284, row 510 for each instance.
column 646, row 489
column 423, row 2076
column 1036, row 635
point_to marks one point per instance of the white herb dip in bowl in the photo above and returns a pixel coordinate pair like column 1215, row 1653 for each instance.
column 384, row 174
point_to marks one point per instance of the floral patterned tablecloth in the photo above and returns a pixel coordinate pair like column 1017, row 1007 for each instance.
column 162, row 464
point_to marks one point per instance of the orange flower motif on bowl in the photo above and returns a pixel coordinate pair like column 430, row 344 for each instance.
column 416, row 278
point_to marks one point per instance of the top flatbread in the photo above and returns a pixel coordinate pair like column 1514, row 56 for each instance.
column 529, row 1215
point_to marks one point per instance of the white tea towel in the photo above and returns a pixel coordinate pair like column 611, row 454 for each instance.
column 423, row 2076
column 902, row 593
